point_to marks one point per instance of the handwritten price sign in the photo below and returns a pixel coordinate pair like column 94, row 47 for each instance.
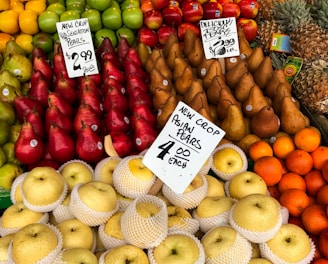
column 182, row 147
column 220, row 38
column 75, row 38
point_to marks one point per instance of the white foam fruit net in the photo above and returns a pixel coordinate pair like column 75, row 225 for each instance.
column 126, row 183
column 145, row 232
column 101, row 171
column 15, row 191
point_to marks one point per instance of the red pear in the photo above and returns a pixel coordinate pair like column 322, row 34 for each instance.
column 65, row 107
column 24, row 105
column 39, row 88
column 117, row 121
column 122, row 143
column 87, row 116
column 54, row 116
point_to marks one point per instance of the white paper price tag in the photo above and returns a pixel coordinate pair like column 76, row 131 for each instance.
column 182, row 147
column 75, row 38
column 220, row 38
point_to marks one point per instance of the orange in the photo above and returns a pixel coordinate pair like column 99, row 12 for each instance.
column 308, row 139
column 299, row 161
column 28, row 22
column 260, row 149
column 296, row 221
column 9, row 21
column 314, row 180
column 314, row 219
column 282, row 146
column 295, row 201
column 269, row 168
column 291, row 180
column 320, row 261
column 322, row 195
column 25, row 41
column 324, row 170
column 274, row 191
column 319, row 156
column 36, row 5
column 4, row 38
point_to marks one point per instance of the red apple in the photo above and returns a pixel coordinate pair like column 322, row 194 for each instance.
column 212, row 10
column 153, row 19
column 164, row 32
column 231, row 10
column 148, row 37
column 146, row 6
column 172, row 14
column 184, row 27
column 192, row 11
column 223, row 2
column 160, row 4
column 250, row 28
column 248, row 8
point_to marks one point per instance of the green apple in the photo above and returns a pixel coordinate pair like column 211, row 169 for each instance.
column 105, row 32
column 126, row 4
column 69, row 15
column 178, row 248
column 78, row 255
column 132, row 18
column 291, row 244
column 115, row 4
column 112, row 18
column 223, row 244
column 125, row 254
column 56, row 7
column 35, row 242
column 44, row 41
column 78, row 2
column 43, row 187
column 126, row 33
column 49, row 2
column 100, row 5
column 245, row 183
column 47, row 21
column 8, row 113
column 215, row 186
column 75, row 172
column 76, row 7
column 94, row 18
column 76, row 234
column 8, row 173
column 4, row 247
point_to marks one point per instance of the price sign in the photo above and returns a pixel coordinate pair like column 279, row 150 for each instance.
column 182, row 147
column 220, row 38
column 75, row 38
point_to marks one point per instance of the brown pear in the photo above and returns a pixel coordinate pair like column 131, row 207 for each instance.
column 171, row 39
column 143, row 52
column 203, row 67
column 254, row 102
column 255, row 59
column 265, row 123
column 195, row 87
column 165, row 112
column 189, row 40
column 160, row 97
column 179, row 65
column 158, row 80
column 292, row 119
column 263, row 73
column 213, row 91
column 244, row 47
column 233, row 76
column 278, row 76
column 175, row 51
column 183, row 83
column 226, row 98
column 246, row 141
column 214, row 70
column 149, row 63
column 231, row 62
column 199, row 101
column 213, row 113
column 161, row 65
column 233, row 124
column 281, row 91
column 246, row 82
column 197, row 54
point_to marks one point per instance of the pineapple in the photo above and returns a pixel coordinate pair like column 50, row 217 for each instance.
column 319, row 11
column 265, row 30
column 311, row 88
column 265, row 8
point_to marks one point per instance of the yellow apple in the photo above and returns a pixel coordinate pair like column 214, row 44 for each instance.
column 16, row 188
column 213, row 206
column 76, row 234
column 223, row 244
column 181, row 219
column 259, row 261
column 215, row 186
column 4, row 246
column 75, row 172
column 78, row 256
column 291, row 244
column 124, row 254
column 196, row 183
column 256, row 216
column 104, row 169
column 17, row 216
column 245, row 183
column 36, row 242
column 43, row 189
column 178, row 248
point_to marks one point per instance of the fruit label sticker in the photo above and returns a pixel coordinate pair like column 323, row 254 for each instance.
column 182, row 147
column 220, row 38
column 76, row 41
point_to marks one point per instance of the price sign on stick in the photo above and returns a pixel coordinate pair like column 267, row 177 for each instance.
column 75, row 38
column 220, row 37
column 182, row 147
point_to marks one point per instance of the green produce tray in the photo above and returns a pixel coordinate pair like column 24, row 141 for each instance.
column 5, row 201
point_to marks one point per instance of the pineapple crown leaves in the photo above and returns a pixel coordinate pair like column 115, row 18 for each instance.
column 291, row 14
column 319, row 12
